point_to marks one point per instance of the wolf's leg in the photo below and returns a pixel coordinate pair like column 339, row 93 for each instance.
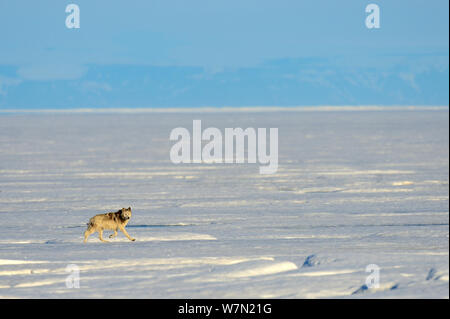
column 100, row 236
column 113, row 235
column 122, row 229
column 88, row 233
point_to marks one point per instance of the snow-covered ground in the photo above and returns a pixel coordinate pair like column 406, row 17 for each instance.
column 353, row 188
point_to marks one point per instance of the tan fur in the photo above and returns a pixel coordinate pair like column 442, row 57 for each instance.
column 109, row 221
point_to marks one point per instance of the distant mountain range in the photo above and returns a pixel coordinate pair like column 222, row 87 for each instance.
column 397, row 80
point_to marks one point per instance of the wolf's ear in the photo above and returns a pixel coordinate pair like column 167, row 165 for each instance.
column 129, row 208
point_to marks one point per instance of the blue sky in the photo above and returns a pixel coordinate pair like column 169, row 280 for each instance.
column 222, row 53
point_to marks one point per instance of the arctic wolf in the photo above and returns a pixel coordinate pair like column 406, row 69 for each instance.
column 109, row 221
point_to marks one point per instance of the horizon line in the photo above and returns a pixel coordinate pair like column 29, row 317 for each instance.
column 226, row 109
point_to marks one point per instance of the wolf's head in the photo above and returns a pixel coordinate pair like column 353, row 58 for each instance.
column 126, row 213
